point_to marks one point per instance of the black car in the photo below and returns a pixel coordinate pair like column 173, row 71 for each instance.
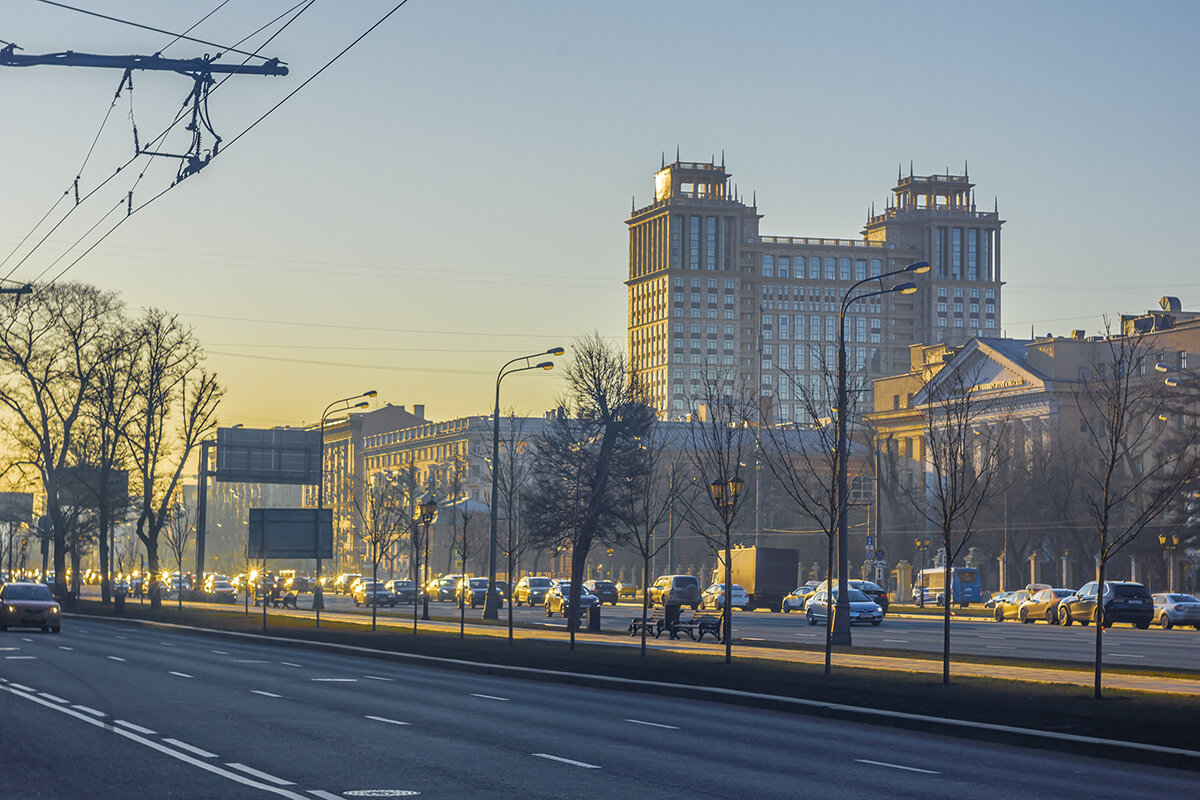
column 1124, row 601
column 405, row 591
column 477, row 589
column 606, row 591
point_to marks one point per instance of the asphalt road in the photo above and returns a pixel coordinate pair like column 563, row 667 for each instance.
column 1124, row 645
column 109, row 709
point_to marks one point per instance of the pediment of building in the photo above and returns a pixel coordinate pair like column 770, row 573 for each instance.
column 990, row 371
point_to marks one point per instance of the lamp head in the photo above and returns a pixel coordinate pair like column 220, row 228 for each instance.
column 546, row 365
column 1171, row 382
column 1161, row 367
column 555, row 351
column 363, row 404
column 918, row 267
column 716, row 487
column 908, row 287
column 735, row 487
column 369, row 393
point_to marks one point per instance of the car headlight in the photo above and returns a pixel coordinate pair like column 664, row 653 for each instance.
column 11, row 609
column 53, row 609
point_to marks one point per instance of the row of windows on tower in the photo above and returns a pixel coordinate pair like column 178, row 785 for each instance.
column 829, row 268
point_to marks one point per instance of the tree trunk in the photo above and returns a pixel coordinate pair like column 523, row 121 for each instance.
column 947, row 599
column 828, row 602
column 645, row 599
column 1099, row 621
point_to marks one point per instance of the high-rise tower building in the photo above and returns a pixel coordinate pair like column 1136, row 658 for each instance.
column 709, row 294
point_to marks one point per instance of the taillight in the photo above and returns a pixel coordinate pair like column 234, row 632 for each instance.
column 1179, row 608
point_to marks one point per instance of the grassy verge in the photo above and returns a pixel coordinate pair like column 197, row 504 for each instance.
column 1134, row 716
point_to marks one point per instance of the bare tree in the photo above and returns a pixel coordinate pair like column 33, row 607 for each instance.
column 52, row 347
column 1134, row 469
column 511, row 477
column 379, row 503
column 582, row 457
column 647, row 496
column 175, row 402
column 964, row 429
column 177, row 533
column 719, row 438
column 803, row 457
column 465, row 512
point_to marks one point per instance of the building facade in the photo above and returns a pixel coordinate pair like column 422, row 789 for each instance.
column 709, row 294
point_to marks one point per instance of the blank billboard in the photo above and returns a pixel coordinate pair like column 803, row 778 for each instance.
column 16, row 507
column 274, row 455
column 291, row 533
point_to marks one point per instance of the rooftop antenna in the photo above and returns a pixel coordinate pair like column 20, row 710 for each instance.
column 632, row 204
column 899, row 173
column 910, row 168
column 722, row 158
column 664, row 160
column 677, row 154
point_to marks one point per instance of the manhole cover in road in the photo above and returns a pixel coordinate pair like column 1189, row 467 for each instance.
column 380, row 793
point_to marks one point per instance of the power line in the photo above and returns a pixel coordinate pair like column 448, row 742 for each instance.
column 373, row 329
column 177, row 36
column 384, row 367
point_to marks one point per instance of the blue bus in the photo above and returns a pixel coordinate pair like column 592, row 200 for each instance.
column 966, row 585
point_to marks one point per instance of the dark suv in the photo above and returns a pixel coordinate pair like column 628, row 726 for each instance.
column 605, row 590
column 1124, row 601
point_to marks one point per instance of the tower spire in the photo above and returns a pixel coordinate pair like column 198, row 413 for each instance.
column 722, row 158
column 677, row 153
column 663, row 163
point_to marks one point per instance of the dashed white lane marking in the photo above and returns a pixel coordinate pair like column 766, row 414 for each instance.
column 116, row 658
column 489, row 697
column 897, row 766
column 19, row 658
column 653, row 724
column 583, row 764
column 10, row 648
column 265, row 694
column 389, row 721
column 63, row 647
column 190, row 748
column 264, row 776
column 26, row 639
column 54, row 698
column 336, row 680
column 221, row 652
column 133, row 727
column 1126, row 655
column 251, row 661
column 180, row 674
column 999, row 647
column 898, row 641
column 233, row 776
column 377, row 678
column 22, row 687
column 119, row 636
column 289, row 664
column 87, row 710
column 166, row 644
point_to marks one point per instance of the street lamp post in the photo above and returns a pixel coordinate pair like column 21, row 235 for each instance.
column 841, row 616
column 725, row 495
column 428, row 514
column 490, row 611
column 318, row 589
column 1169, row 543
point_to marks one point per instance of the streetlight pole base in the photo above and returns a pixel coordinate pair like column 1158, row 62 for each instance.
column 490, row 607
column 841, row 628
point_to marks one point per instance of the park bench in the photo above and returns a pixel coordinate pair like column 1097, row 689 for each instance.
column 653, row 624
column 696, row 626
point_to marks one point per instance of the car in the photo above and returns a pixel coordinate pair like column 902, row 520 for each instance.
column 1124, row 601
column 996, row 598
column 627, row 590
column 714, row 597
column 345, row 582
column 29, row 605
column 795, row 599
column 531, row 590
column 872, row 590
column 862, row 608
column 1010, row 607
column 219, row 589
column 559, row 597
column 476, row 590
column 679, row 590
column 605, row 590
column 503, row 590
column 404, row 591
column 1043, row 604
column 372, row 593
column 1172, row 608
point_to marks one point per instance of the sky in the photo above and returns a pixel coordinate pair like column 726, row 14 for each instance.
column 451, row 193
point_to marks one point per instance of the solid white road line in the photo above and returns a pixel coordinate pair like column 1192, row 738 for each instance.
column 260, row 774
column 1126, row 655
column 190, row 748
column 233, row 776
column 566, row 761
column 390, row 721
column 180, row 674
column 26, row 639
column 49, row 696
column 251, row 661
column 133, row 727
column 61, row 647
column 87, row 710
column 289, row 664
column 489, row 697
column 335, row 680
column 119, row 636
column 900, row 641
column 10, row 648
column 653, row 724
column 377, row 678
column 897, row 766
column 324, row 795
column 265, row 694
column 116, row 658
column 19, row 658
column 23, row 687
column 221, row 652
column 166, row 644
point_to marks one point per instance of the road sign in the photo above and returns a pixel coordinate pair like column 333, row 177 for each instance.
column 274, row 455
column 291, row 533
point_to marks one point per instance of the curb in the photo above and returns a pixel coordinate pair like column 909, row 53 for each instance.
column 1177, row 758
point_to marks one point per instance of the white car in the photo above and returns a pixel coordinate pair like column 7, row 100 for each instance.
column 714, row 597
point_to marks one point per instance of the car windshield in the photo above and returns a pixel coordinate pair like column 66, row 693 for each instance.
column 605, row 585
column 564, row 586
column 28, row 592
column 479, row 583
column 867, row 586
column 1063, row 592
column 539, row 583
column 1183, row 598
column 402, row 584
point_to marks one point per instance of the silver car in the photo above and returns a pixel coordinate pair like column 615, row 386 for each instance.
column 1171, row 609
column 862, row 608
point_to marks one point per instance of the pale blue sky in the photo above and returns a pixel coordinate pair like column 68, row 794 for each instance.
column 452, row 192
